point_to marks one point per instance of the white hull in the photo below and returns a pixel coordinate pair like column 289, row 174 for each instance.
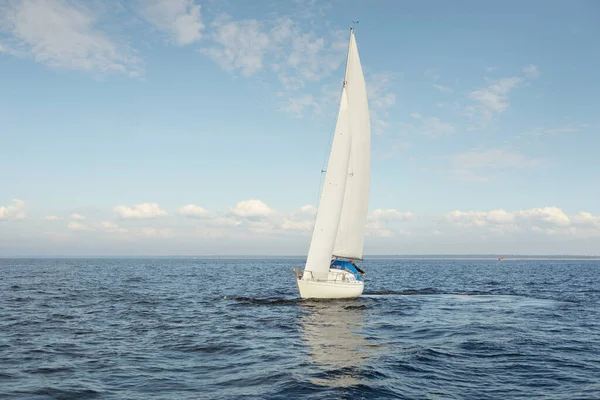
column 342, row 213
column 338, row 285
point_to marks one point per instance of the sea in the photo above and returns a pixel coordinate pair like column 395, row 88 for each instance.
column 185, row 328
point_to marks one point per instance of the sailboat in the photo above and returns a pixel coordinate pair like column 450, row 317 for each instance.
column 338, row 234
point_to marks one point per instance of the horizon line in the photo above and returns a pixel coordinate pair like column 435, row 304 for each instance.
column 372, row 256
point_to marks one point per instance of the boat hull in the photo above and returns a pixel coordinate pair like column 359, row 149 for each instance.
column 328, row 289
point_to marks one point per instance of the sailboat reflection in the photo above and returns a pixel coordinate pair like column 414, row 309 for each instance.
column 331, row 329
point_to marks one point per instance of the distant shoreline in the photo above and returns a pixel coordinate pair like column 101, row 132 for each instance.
column 459, row 257
column 516, row 258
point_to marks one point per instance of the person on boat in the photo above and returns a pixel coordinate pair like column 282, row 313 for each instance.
column 360, row 271
column 348, row 265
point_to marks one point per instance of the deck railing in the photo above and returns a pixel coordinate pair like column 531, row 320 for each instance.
column 334, row 277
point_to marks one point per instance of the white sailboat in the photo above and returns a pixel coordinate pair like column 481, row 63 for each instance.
column 338, row 235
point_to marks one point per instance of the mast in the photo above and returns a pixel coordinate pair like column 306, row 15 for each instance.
column 332, row 194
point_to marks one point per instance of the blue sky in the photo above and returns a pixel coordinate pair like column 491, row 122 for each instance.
column 200, row 127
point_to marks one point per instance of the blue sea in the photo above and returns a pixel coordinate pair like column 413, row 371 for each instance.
column 235, row 329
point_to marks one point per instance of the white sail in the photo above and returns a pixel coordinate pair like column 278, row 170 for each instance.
column 332, row 196
column 342, row 213
column 351, row 232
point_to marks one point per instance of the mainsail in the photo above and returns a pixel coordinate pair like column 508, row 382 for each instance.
column 351, row 232
column 341, row 216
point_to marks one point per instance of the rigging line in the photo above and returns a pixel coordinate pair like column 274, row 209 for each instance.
column 324, row 165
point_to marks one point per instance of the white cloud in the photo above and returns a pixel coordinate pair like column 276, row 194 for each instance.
column 442, row 88
column 302, row 219
column 416, row 115
column 76, row 226
column 382, row 230
column 63, row 35
column 111, row 227
column 309, row 210
column 251, row 209
column 5, row 48
column 297, row 57
column 240, row 45
column 467, row 218
column 377, row 229
column 500, row 216
column 494, row 98
column 381, row 99
column 254, row 225
column 298, row 105
column 586, row 218
column 552, row 215
column 155, row 232
column 51, row 218
column 382, row 222
column 77, row 217
column 15, row 211
column 307, row 57
column 255, row 216
column 180, row 18
column 224, row 222
column 546, row 220
column 140, row 211
column 308, row 9
column 390, row 214
column 193, row 211
column 297, row 225
column 301, row 105
column 531, row 71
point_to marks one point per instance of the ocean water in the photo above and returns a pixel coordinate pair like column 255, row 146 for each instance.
column 234, row 329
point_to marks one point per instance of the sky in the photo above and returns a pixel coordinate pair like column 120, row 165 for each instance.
column 200, row 127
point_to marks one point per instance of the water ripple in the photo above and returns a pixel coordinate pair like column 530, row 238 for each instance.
column 228, row 329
